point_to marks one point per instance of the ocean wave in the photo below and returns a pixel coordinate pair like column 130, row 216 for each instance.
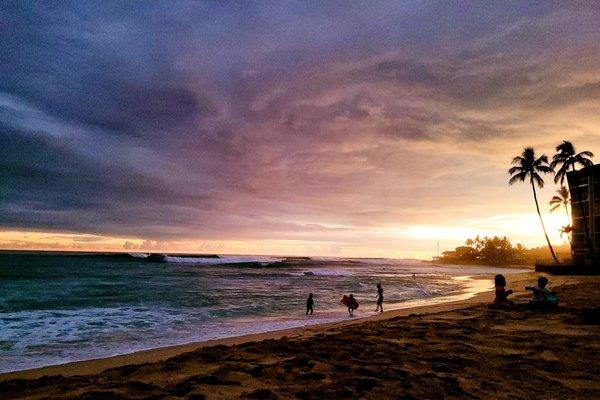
column 138, row 255
column 328, row 272
column 262, row 260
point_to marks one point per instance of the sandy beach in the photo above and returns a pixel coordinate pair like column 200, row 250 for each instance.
column 461, row 349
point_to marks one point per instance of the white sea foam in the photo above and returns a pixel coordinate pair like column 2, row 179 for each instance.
column 103, row 307
column 139, row 255
column 264, row 260
column 329, row 272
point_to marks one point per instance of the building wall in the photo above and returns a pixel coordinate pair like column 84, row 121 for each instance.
column 584, row 186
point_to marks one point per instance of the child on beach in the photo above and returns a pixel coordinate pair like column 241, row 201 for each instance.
column 501, row 292
column 310, row 303
column 542, row 296
column 352, row 305
column 379, row 298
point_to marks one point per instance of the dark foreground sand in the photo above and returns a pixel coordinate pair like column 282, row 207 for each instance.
column 474, row 352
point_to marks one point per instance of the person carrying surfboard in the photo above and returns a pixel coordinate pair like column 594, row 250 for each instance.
column 379, row 298
column 350, row 302
column 352, row 305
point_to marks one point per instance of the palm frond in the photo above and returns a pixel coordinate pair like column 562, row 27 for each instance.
column 537, row 179
column 581, row 160
column 555, row 207
column 561, row 173
column 558, row 159
column 566, row 147
column 545, row 169
column 564, row 193
column 513, row 170
column 543, row 159
column 520, row 177
column 555, row 199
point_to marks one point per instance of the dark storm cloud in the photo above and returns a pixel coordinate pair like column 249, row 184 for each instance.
column 272, row 119
column 101, row 69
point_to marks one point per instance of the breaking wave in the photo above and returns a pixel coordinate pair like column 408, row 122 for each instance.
column 262, row 260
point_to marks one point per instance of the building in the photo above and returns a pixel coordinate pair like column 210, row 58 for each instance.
column 584, row 186
column 449, row 255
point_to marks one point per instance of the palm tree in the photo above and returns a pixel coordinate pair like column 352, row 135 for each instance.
column 569, row 159
column 566, row 230
column 563, row 199
column 528, row 167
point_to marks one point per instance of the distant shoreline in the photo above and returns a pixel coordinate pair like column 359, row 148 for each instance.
column 472, row 264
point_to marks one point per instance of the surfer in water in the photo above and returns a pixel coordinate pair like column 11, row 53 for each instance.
column 379, row 298
column 310, row 303
column 352, row 305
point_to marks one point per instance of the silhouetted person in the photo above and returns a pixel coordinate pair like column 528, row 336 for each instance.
column 501, row 292
column 542, row 296
column 310, row 303
column 379, row 298
column 352, row 305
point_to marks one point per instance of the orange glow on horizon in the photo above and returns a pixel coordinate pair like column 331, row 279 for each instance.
column 413, row 241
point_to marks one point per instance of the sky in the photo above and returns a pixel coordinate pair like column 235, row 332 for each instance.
column 358, row 129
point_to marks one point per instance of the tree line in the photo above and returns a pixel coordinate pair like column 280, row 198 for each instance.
column 494, row 250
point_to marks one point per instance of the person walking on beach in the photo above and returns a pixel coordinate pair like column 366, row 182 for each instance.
column 379, row 298
column 352, row 305
column 310, row 303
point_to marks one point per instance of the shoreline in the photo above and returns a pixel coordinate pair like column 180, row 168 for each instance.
column 97, row 365
column 437, row 351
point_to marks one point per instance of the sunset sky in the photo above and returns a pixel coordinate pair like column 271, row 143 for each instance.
column 294, row 128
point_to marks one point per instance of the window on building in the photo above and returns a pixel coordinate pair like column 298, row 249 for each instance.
column 596, row 206
column 579, row 240
column 576, row 211
column 579, row 193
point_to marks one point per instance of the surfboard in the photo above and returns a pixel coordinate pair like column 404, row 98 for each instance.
column 345, row 300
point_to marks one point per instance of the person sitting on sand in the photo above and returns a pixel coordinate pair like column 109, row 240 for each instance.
column 379, row 298
column 542, row 296
column 501, row 292
column 310, row 303
column 352, row 305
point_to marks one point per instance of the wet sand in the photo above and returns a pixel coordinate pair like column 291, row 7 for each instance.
column 463, row 349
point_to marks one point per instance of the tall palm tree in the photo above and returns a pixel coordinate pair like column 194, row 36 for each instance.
column 528, row 167
column 568, row 159
column 562, row 199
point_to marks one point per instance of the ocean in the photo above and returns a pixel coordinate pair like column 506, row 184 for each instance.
column 62, row 307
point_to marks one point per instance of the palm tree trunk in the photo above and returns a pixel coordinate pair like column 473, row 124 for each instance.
column 571, row 225
column 537, row 206
column 585, row 223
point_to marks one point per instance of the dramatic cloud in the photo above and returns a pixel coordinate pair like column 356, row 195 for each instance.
column 344, row 126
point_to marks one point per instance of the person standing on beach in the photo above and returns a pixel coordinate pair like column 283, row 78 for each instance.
column 379, row 298
column 310, row 303
column 352, row 305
